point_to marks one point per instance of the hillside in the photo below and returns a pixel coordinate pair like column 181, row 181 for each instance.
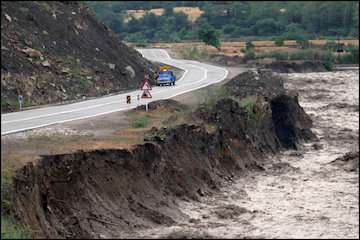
column 57, row 51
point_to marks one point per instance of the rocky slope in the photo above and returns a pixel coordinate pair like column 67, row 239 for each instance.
column 57, row 51
column 113, row 193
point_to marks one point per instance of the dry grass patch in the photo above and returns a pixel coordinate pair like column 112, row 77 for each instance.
column 193, row 13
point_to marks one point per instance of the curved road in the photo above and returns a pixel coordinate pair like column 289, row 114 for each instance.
column 196, row 75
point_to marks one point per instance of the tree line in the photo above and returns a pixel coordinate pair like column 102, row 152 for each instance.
column 232, row 19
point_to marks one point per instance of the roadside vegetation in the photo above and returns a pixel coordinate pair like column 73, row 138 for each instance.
column 140, row 122
column 10, row 229
column 326, row 56
column 327, row 53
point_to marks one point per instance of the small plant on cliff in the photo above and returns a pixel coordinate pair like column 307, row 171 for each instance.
column 249, row 104
column 9, row 228
column 213, row 96
column 140, row 122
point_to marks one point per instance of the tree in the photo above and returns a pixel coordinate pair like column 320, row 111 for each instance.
column 303, row 42
column 229, row 28
column 114, row 22
column 279, row 41
column 268, row 27
column 249, row 45
column 290, row 19
column 210, row 37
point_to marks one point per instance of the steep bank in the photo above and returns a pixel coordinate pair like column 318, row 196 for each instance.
column 111, row 193
column 57, row 51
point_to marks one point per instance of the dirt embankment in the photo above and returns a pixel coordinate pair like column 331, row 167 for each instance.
column 57, row 51
column 112, row 193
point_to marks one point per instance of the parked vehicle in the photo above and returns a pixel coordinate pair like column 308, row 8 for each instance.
column 165, row 76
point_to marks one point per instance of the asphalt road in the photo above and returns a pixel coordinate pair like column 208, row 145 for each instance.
column 196, row 75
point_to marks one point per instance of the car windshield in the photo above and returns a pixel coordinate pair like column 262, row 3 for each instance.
column 165, row 73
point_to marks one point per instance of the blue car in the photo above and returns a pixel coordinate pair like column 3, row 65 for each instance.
column 165, row 77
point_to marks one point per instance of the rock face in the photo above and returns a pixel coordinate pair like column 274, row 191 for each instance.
column 57, row 51
column 349, row 161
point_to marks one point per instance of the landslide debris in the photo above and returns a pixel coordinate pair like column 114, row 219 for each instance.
column 112, row 192
column 57, row 51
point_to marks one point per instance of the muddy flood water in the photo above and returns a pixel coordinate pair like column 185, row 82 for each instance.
column 301, row 194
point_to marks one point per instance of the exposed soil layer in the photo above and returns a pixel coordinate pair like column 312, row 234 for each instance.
column 169, row 104
column 57, row 51
column 115, row 193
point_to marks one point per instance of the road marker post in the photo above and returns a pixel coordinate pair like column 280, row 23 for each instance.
column 21, row 100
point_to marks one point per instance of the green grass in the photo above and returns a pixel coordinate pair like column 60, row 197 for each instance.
column 213, row 95
column 10, row 230
column 249, row 104
column 140, row 122
column 6, row 192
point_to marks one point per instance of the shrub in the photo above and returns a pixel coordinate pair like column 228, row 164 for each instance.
column 210, row 37
column 141, row 45
column 328, row 60
column 249, row 45
column 303, row 42
column 279, row 42
column 354, row 53
column 9, row 230
column 249, row 55
column 330, row 45
column 140, row 122
column 249, row 104
column 213, row 96
column 278, row 55
column 192, row 53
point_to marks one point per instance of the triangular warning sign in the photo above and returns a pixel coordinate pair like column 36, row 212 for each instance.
column 145, row 85
column 146, row 94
